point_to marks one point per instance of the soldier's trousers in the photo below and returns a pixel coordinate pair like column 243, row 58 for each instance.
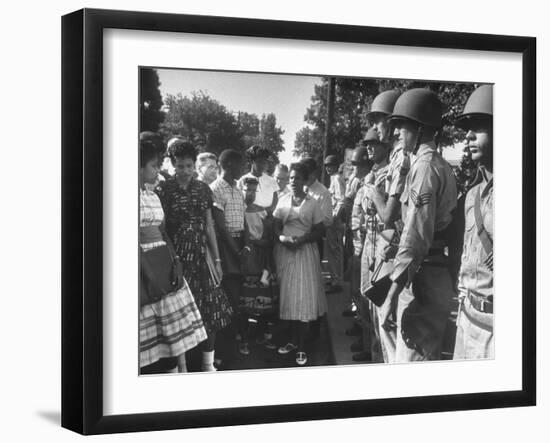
column 388, row 340
column 368, row 313
column 426, row 304
column 355, row 278
column 474, row 334
column 355, row 265
column 335, row 249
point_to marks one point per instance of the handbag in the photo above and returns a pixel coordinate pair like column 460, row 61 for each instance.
column 380, row 282
column 161, row 274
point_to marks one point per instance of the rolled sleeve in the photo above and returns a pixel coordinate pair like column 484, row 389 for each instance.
column 397, row 175
column 357, row 212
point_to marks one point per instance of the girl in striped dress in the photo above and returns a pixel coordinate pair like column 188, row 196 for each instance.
column 298, row 224
column 172, row 325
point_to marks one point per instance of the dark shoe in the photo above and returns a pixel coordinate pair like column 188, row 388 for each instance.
column 354, row 331
column 362, row 356
column 357, row 346
column 266, row 343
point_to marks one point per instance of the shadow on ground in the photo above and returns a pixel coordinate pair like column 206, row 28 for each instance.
column 54, row 417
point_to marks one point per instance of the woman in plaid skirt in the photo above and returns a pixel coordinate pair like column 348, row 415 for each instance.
column 172, row 325
column 187, row 203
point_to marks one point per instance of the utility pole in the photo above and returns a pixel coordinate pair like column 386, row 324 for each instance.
column 328, row 130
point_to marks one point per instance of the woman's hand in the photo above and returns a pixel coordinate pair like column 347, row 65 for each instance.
column 287, row 241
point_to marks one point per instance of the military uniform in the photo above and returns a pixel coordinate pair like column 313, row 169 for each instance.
column 474, row 338
column 423, row 306
column 335, row 233
column 357, row 219
column 356, row 223
column 355, row 235
column 396, row 176
column 371, row 226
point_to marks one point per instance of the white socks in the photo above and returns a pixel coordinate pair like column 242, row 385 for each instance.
column 208, row 362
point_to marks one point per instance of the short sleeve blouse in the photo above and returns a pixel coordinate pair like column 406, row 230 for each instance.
column 298, row 220
column 184, row 206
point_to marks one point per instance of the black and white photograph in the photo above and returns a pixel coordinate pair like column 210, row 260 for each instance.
column 275, row 221
column 291, row 221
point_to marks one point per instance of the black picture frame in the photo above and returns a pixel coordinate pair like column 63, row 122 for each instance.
column 82, row 218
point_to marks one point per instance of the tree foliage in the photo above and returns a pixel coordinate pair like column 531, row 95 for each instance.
column 353, row 98
column 270, row 135
column 309, row 143
column 150, row 106
column 212, row 127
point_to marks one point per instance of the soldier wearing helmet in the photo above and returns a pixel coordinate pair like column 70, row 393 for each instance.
column 474, row 338
column 361, row 167
column 386, row 199
column 364, row 212
column 381, row 108
column 335, row 232
column 417, row 306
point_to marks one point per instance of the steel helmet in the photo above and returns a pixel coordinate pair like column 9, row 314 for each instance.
column 172, row 141
column 478, row 106
column 419, row 105
column 383, row 103
column 360, row 155
column 331, row 160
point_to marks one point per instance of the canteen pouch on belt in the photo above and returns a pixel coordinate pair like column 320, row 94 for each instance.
column 380, row 282
column 161, row 274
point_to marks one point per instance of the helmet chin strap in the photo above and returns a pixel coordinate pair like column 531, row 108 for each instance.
column 419, row 135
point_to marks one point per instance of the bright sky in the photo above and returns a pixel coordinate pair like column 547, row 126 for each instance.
column 287, row 96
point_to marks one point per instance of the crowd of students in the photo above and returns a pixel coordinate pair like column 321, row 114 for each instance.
column 396, row 230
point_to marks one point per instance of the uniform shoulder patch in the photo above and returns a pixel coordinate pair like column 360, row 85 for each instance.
column 489, row 261
column 420, row 199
